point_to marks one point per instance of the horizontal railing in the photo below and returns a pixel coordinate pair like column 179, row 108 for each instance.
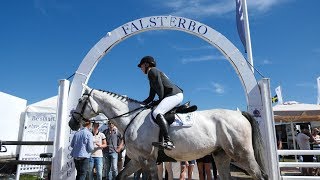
column 299, row 164
column 26, row 142
column 299, row 152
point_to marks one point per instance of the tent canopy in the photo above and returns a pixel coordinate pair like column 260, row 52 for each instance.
column 295, row 112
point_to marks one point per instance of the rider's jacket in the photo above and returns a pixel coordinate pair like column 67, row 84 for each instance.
column 161, row 85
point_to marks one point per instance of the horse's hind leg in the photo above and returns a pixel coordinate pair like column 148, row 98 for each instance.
column 222, row 161
column 249, row 164
column 131, row 167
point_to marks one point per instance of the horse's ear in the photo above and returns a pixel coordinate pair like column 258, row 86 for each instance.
column 86, row 88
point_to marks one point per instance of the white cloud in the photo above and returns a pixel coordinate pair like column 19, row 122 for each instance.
column 192, row 48
column 202, row 58
column 52, row 5
column 140, row 39
column 213, row 87
column 218, row 88
column 204, row 8
column 307, row 84
column 266, row 62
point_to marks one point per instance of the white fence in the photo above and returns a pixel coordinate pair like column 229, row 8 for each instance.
column 299, row 164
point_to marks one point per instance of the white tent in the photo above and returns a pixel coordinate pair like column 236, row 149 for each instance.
column 11, row 110
column 296, row 112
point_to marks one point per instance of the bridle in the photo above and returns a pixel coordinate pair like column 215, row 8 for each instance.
column 86, row 102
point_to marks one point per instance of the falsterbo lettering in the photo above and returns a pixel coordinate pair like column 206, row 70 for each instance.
column 192, row 25
column 134, row 27
column 141, row 25
column 172, row 21
column 162, row 21
column 125, row 28
column 182, row 22
column 153, row 22
column 204, row 29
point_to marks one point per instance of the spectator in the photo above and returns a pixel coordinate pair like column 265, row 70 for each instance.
column 96, row 160
column 168, row 167
column 82, row 145
column 204, row 167
column 184, row 165
column 303, row 139
column 110, row 153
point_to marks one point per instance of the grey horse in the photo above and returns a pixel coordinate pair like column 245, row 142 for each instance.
column 226, row 134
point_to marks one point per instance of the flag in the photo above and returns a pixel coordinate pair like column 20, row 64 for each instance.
column 318, row 81
column 274, row 99
column 279, row 95
column 240, row 23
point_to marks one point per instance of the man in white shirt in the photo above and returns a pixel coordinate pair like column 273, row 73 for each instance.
column 303, row 139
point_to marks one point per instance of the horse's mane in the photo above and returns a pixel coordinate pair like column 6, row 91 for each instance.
column 120, row 97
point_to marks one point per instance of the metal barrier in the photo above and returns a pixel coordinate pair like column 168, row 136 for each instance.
column 44, row 156
column 3, row 143
column 299, row 164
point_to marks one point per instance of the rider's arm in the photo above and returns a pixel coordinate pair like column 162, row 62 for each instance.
column 152, row 94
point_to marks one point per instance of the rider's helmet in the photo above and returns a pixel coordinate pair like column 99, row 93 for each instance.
column 148, row 59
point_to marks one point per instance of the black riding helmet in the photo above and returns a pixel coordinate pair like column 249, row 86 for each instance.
column 148, row 59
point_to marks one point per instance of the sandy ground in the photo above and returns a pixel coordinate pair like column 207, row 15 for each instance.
column 236, row 174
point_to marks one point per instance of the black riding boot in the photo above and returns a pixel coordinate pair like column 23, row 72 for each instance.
column 163, row 124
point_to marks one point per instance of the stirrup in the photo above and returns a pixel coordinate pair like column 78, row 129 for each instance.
column 168, row 145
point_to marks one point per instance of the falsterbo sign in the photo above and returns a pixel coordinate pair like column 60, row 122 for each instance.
column 164, row 22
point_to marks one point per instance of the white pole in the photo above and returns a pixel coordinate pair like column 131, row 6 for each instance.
column 247, row 34
column 293, row 139
column 59, row 140
column 268, row 131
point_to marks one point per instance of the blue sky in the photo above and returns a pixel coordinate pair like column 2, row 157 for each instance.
column 42, row 41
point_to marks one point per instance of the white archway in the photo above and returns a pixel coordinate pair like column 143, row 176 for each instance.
column 257, row 93
column 198, row 29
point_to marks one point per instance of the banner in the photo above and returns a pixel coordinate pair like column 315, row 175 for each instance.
column 279, row 94
column 38, row 126
column 240, row 23
column 318, row 81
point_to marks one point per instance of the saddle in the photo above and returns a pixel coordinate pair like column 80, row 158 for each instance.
column 184, row 108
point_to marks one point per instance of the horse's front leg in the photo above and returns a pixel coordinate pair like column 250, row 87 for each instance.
column 131, row 167
column 151, row 167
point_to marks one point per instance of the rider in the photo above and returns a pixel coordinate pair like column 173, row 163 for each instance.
column 169, row 95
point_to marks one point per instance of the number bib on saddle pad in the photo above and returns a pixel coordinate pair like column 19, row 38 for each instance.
column 180, row 120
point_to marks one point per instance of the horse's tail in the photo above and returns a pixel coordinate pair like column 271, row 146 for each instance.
column 257, row 141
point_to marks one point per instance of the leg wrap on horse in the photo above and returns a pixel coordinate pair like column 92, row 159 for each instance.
column 163, row 124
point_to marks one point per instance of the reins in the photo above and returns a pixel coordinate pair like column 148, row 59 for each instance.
column 143, row 107
column 115, row 117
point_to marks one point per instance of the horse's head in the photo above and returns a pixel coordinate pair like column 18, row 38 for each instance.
column 85, row 110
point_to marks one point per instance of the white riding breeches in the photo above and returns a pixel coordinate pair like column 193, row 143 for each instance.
column 167, row 104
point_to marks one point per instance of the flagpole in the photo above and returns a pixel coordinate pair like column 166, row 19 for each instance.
column 247, row 33
column 318, row 82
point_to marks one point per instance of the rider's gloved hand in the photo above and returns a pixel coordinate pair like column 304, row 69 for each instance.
column 154, row 103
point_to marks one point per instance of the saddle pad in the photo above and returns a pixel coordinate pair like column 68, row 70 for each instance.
column 185, row 120
column 180, row 120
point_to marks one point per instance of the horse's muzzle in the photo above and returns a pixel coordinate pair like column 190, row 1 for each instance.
column 74, row 124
